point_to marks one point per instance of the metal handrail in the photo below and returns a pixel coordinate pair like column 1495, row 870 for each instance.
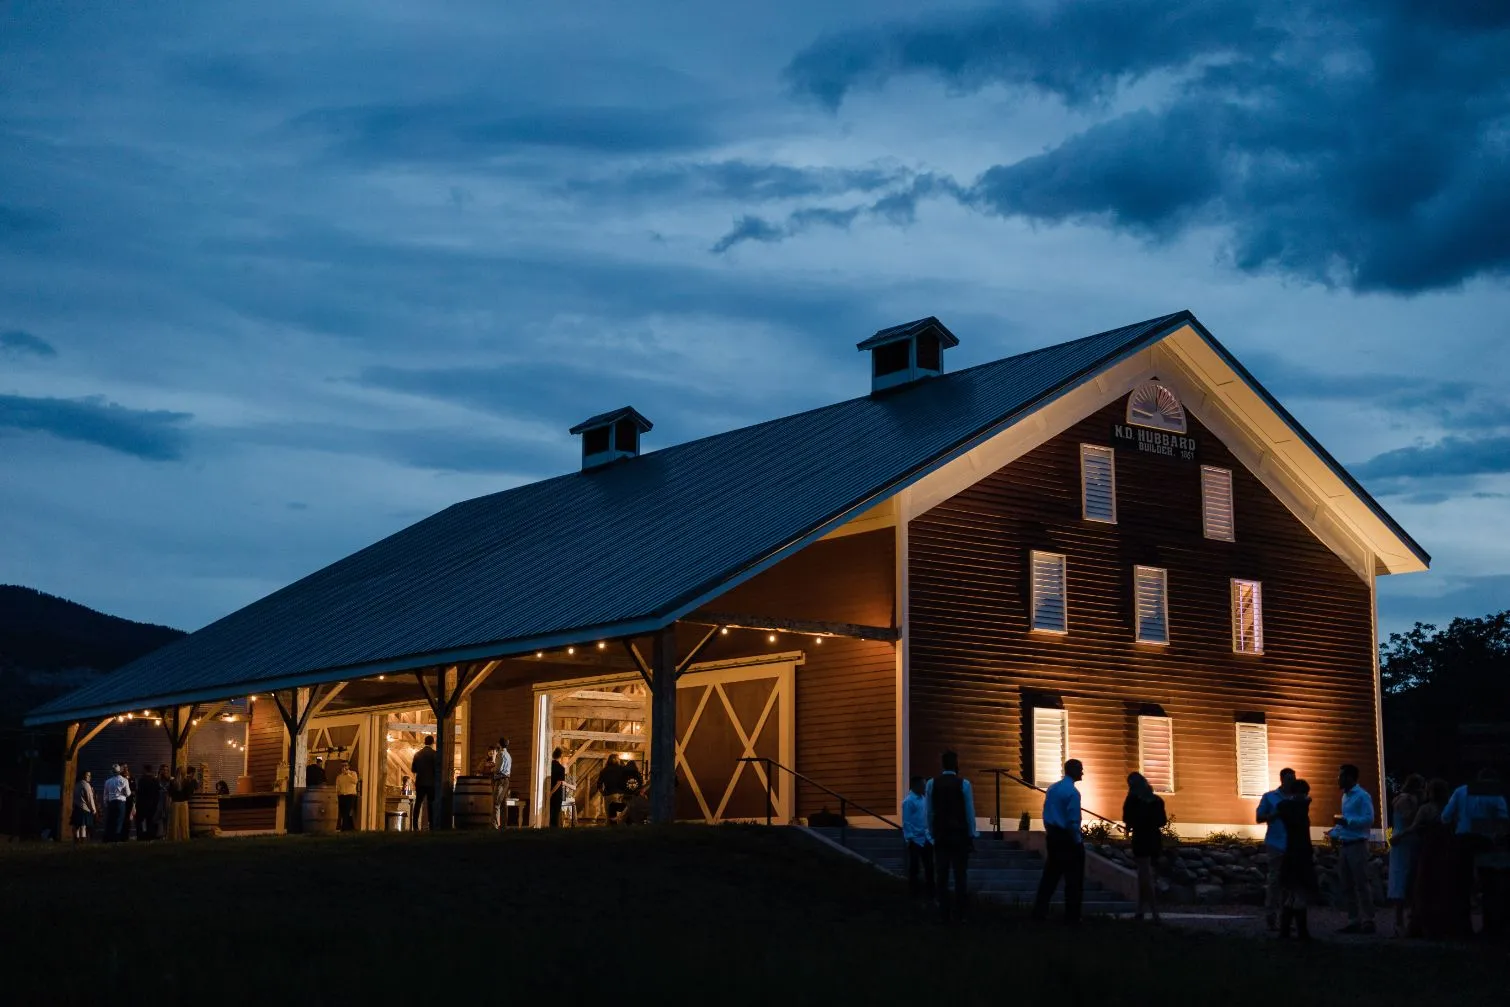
column 844, row 802
column 999, row 773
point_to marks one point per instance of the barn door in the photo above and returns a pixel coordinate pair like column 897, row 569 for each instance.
column 723, row 715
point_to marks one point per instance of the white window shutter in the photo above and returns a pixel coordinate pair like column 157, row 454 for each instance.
column 1098, row 483
column 1216, row 503
column 1252, row 760
column 1156, row 753
column 1050, row 611
column 1247, row 617
column 1151, row 604
column 1050, row 745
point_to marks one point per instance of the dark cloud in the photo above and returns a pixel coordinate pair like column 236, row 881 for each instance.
column 1471, row 596
column 20, row 221
column 155, row 435
column 19, row 343
column 898, row 208
column 738, row 179
column 1450, row 456
column 1362, row 144
column 466, row 129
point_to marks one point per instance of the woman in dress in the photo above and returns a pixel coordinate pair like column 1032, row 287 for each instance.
column 84, row 808
column 1434, row 912
column 1297, row 866
column 1143, row 814
column 1403, row 844
column 162, row 819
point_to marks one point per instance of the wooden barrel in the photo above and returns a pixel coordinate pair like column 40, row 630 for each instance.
column 472, row 804
column 317, row 812
column 204, row 815
column 243, row 785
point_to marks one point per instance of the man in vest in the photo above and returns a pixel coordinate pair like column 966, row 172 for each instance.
column 951, row 823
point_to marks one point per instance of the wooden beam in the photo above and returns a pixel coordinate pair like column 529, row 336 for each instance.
column 806, row 627
column 663, row 728
column 697, row 648
column 331, row 692
column 640, row 664
column 600, row 736
column 604, row 711
column 478, row 676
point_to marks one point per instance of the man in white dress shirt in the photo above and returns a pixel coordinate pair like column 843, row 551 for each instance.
column 919, row 842
column 1065, row 856
column 117, row 789
column 1352, row 832
column 503, row 768
column 951, row 825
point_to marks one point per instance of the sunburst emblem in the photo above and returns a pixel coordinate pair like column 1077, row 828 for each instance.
column 1155, row 406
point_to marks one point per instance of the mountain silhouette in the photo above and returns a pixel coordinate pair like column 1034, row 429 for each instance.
column 49, row 645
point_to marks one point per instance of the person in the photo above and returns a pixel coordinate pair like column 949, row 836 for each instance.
column 918, row 840
column 347, row 783
column 314, row 773
column 128, row 823
column 1478, row 815
column 1351, row 833
column 84, row 808
column 503, row 769
column 1434, row 912
column 162, row 821
column 117, row 789
column 222, row 788
column 1144, row 815
column 611, row 784
column 423, row 768
column 1297, row 867
column 1274, row 844
column 558, row 788
column 1065, row 853
column 1402, row 844
column 951, row 825
column 187, row 785
column 147, row 790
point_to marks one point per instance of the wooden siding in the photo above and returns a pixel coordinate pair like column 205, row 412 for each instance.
column 974, row 664
column 266, row 745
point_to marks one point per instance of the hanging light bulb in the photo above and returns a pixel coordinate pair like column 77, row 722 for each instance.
column 571, row 650
column 771, row 638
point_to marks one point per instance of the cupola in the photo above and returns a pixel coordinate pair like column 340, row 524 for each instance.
column 906, row 353
column 608, row 437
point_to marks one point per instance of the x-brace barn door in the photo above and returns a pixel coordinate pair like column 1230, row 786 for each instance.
column 727, row 714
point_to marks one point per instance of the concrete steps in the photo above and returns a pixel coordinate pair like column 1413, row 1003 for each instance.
column 999, row 869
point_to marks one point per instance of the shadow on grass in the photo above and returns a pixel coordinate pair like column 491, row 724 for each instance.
column 685, row 914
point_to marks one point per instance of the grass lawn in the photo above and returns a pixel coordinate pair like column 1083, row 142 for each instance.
column 750, row 916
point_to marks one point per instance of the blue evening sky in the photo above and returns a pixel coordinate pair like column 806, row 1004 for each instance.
column 277, row 279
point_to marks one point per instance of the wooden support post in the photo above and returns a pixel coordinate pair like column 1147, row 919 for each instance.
column 663, row 727
column 297, row 707
column 449, row 688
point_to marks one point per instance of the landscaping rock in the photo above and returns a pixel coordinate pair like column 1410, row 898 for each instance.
column 1209, row 895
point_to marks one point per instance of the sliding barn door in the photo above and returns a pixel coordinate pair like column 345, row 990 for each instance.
column 722, row 716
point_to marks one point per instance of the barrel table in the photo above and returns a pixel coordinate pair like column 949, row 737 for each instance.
column 204, row 815
column 318, row 811
column 472, row 804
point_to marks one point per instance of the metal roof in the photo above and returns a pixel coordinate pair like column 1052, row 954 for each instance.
column 620, row 549
column 604, row 419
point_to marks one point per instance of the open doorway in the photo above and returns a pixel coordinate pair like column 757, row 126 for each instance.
column 593, row 723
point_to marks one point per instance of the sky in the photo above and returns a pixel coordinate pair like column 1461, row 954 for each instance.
column 278, row 279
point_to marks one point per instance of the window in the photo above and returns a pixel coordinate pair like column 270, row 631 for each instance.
column 1098, row 483
column 1252, row 760
column 1156, row 752
column 1050, row 745
column 1216, row 503
column 1151, row 604
column 1049, row 610
column 1247, row 617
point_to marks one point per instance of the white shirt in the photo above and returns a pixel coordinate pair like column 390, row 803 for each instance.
column 117, row 789
column 969, row 804
column 1274, row 836
column 346, row 782
column 503, row 763
column 915, row 819
column 1464, row 808
column 1357, row 816
column 1061, row 807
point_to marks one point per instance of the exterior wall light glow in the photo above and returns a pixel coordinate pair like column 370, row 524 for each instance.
column 771, row 638
column 571, row 650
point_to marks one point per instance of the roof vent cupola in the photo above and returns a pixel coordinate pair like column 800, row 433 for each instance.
column 906, row 353
column 608, row 437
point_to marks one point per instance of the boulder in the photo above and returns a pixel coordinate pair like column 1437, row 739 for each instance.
column 1209, row 895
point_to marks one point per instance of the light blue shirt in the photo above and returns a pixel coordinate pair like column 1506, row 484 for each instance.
column 1268, row 805
column 1061, row 807
column 1463, row 809
column 1357, row 816
column 969, row 804
column 915, row 819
